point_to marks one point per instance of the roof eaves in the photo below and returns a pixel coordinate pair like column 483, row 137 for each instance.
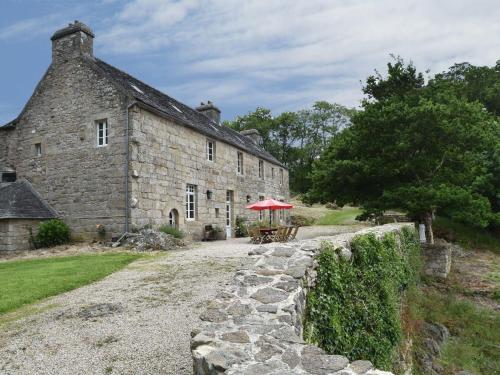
column 9, row 125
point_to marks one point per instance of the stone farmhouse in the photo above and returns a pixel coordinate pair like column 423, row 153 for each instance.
column 96, row 146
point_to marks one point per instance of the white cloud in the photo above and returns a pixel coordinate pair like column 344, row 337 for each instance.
column 28, row 28
column 282, row 54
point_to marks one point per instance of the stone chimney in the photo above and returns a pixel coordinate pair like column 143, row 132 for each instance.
column 76, row 39
column 254, row 135
column 210, row 110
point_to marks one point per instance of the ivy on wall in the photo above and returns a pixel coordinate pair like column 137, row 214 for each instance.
column 354, row 310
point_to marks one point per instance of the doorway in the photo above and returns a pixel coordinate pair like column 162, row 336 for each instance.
column 229, row 213
column 173, row 218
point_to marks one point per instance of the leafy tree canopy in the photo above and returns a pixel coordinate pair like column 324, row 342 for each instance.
column 296, row 138
column 415, row 147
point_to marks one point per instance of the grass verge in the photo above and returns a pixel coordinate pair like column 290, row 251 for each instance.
column 468, row 237
column 345, row 216
column 475, row 333
column 26, row 281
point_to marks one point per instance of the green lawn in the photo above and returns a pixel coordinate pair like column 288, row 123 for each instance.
column 345, row 216
column 26, row 281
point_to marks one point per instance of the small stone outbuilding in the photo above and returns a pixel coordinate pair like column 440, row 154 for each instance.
column 21, row 209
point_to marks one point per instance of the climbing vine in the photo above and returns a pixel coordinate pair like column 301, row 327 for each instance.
column 354, row 310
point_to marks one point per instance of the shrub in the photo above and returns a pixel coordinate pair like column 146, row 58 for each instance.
column 172, row 231
column 241, row 228
column 258, row 224
column 51, row 233
column 301, row 221
column 354, row 309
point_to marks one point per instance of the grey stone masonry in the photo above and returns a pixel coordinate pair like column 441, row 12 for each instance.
column 254, row 326
column 14, row 233
column 437, row 258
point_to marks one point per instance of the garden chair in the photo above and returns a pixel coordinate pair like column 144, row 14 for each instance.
column 255, row 236
column 293, row 233
column 280, row 235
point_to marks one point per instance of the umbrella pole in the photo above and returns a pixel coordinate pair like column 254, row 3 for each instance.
column 270, row 219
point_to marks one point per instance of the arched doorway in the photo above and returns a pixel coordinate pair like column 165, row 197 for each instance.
column 173, row 218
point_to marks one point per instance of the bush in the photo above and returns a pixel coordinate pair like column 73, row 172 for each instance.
column 301, row 221
column 241, row 228
column 167, row 229
column 354, row 309
column 51, row 233
column 259, row 224
column 332, row 206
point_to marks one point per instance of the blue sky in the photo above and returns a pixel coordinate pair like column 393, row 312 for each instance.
column 280, row 54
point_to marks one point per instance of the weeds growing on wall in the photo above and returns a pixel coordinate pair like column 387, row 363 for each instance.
column 354, row 309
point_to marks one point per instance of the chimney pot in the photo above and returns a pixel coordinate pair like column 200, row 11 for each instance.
column 74, row 40
column 210, row 110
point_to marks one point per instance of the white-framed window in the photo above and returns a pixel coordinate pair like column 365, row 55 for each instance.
column 240, row 162
column 190, row 202
column 281, row 177
column 210, row 150
column 272, row 173
column 102, row 133
column 261, row 212
column 261, row 169
column 38, row 149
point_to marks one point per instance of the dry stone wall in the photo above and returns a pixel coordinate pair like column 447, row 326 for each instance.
column 254, row 326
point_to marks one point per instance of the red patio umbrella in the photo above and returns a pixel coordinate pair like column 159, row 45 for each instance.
column 269, row 204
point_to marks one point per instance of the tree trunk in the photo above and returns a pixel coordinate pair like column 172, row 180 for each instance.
column 429, row 235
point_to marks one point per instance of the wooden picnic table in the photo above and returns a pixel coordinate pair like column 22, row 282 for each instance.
column 267, row 234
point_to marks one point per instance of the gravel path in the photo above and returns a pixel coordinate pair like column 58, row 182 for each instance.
column 135, row 321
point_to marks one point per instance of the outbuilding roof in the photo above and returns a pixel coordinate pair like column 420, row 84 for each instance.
column 176, row 110
column 18, row 200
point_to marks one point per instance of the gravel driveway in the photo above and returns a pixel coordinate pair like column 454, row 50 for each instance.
column 135, row 321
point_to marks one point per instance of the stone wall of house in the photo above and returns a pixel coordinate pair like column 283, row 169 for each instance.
column 82, row 182
column 254, row 326
column 14, row 233
column 165, row 156
column 5, row 140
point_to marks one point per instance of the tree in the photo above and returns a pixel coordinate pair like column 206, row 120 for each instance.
column 296, row 138
column 416, row 147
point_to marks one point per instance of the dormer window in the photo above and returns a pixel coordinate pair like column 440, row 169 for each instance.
column 102, row 133
column 210, row 150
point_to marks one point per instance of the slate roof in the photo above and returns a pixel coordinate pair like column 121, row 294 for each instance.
column 179, row 111
column 8, row 125
column 18, row 200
